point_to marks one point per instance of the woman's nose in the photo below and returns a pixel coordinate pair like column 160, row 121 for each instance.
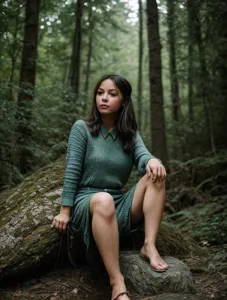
column 104, row 97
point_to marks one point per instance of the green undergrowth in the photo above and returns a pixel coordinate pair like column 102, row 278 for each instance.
column 205, row 222
column 207, row 173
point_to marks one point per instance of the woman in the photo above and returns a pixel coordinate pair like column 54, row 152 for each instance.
column 101, row 153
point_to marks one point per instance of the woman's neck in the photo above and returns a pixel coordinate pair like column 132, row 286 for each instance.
column 108, row 122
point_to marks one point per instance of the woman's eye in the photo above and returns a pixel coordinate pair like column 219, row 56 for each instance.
column 111, row 94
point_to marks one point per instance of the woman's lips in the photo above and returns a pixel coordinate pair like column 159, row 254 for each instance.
column 104, row 106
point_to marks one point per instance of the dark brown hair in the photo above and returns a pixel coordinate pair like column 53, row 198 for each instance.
column 126, row 123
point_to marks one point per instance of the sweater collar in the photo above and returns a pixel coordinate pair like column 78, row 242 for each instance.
column 105, row 132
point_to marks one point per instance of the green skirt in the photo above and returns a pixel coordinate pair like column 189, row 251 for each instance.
column 80, row 221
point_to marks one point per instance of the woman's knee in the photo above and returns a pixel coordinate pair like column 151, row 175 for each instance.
column 102, row 204
column 158, row 184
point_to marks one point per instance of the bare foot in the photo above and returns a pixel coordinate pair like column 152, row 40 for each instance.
column 150, row 253
column 117, row 289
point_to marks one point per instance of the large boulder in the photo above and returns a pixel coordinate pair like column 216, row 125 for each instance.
column 138, row 273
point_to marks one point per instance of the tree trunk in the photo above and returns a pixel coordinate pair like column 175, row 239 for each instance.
column 14, row 52
column 190, row 10
column 219, row 26
column 204, row 88
column 74, row 76
column 88, row 67
column 27, row 84
column 173, row 69
column 140, row 73
column 155, row 75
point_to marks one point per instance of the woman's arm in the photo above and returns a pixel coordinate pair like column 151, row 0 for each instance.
column 146, row 162
column 141, row 154
column 75, row 157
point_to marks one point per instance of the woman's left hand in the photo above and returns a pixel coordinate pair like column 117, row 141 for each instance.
column 155, row 170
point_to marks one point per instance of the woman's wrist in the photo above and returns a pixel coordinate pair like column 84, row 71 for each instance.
column 155, row 158
column 65, row 210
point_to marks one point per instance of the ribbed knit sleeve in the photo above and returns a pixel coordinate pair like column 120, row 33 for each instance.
column 75, row 157
column 141, row 154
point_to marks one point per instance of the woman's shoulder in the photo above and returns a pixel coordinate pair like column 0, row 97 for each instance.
column 80, row 124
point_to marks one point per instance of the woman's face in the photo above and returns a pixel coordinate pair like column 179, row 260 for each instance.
column 108, row 98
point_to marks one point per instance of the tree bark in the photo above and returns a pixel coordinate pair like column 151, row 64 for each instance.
column 219, row 66
column 172, row 59
column 27, row 84
column 190, row 10
column 13, row 52
column 159, row 148
column 89, row 54
column 204, row 83
column 140, row 73
column 74, row 76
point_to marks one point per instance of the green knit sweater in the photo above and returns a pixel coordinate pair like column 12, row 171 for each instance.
column 99, row 162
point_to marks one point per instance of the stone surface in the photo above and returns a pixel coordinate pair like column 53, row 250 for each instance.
column 177, row 279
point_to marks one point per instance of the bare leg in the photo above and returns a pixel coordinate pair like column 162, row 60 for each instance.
column 105, row 233
column 148, row 201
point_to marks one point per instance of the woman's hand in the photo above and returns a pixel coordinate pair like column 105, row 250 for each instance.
column 60, row 221
column 155, row 170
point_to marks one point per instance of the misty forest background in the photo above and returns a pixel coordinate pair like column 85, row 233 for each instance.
column 52, row 53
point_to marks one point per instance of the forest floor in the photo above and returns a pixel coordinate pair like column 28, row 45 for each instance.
column 207, row 224
column 91, row 284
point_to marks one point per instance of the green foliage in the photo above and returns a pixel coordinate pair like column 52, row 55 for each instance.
column 53, row 113
column 207, row 223
column 197, row 190
column 6, row 130
column 115, row 50
column 194, row 181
